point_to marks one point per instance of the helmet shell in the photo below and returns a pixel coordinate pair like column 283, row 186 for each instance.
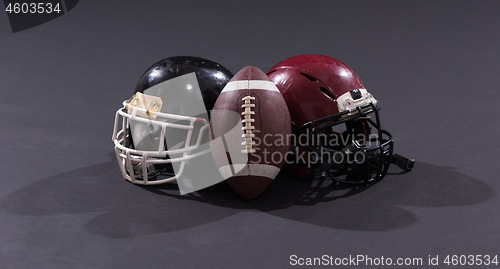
column 311, row 84
column 212, row 76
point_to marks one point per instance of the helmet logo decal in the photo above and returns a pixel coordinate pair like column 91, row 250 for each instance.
column 248, row 127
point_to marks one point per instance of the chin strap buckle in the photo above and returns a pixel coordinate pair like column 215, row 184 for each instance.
column 402, row 162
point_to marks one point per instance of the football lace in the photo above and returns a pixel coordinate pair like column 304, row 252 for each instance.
column 248, row 128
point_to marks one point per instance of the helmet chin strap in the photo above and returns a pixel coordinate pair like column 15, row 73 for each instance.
column 406, row 164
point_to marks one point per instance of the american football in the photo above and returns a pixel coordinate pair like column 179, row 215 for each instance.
column 250, row 128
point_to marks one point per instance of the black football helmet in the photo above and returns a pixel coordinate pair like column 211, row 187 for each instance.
column 170, row 105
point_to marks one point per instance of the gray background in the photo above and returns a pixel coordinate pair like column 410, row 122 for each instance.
column 434, row 66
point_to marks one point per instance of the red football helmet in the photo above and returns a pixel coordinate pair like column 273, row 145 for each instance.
column 335, row 121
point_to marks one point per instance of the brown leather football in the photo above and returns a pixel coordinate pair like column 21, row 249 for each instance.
column 250, row 128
